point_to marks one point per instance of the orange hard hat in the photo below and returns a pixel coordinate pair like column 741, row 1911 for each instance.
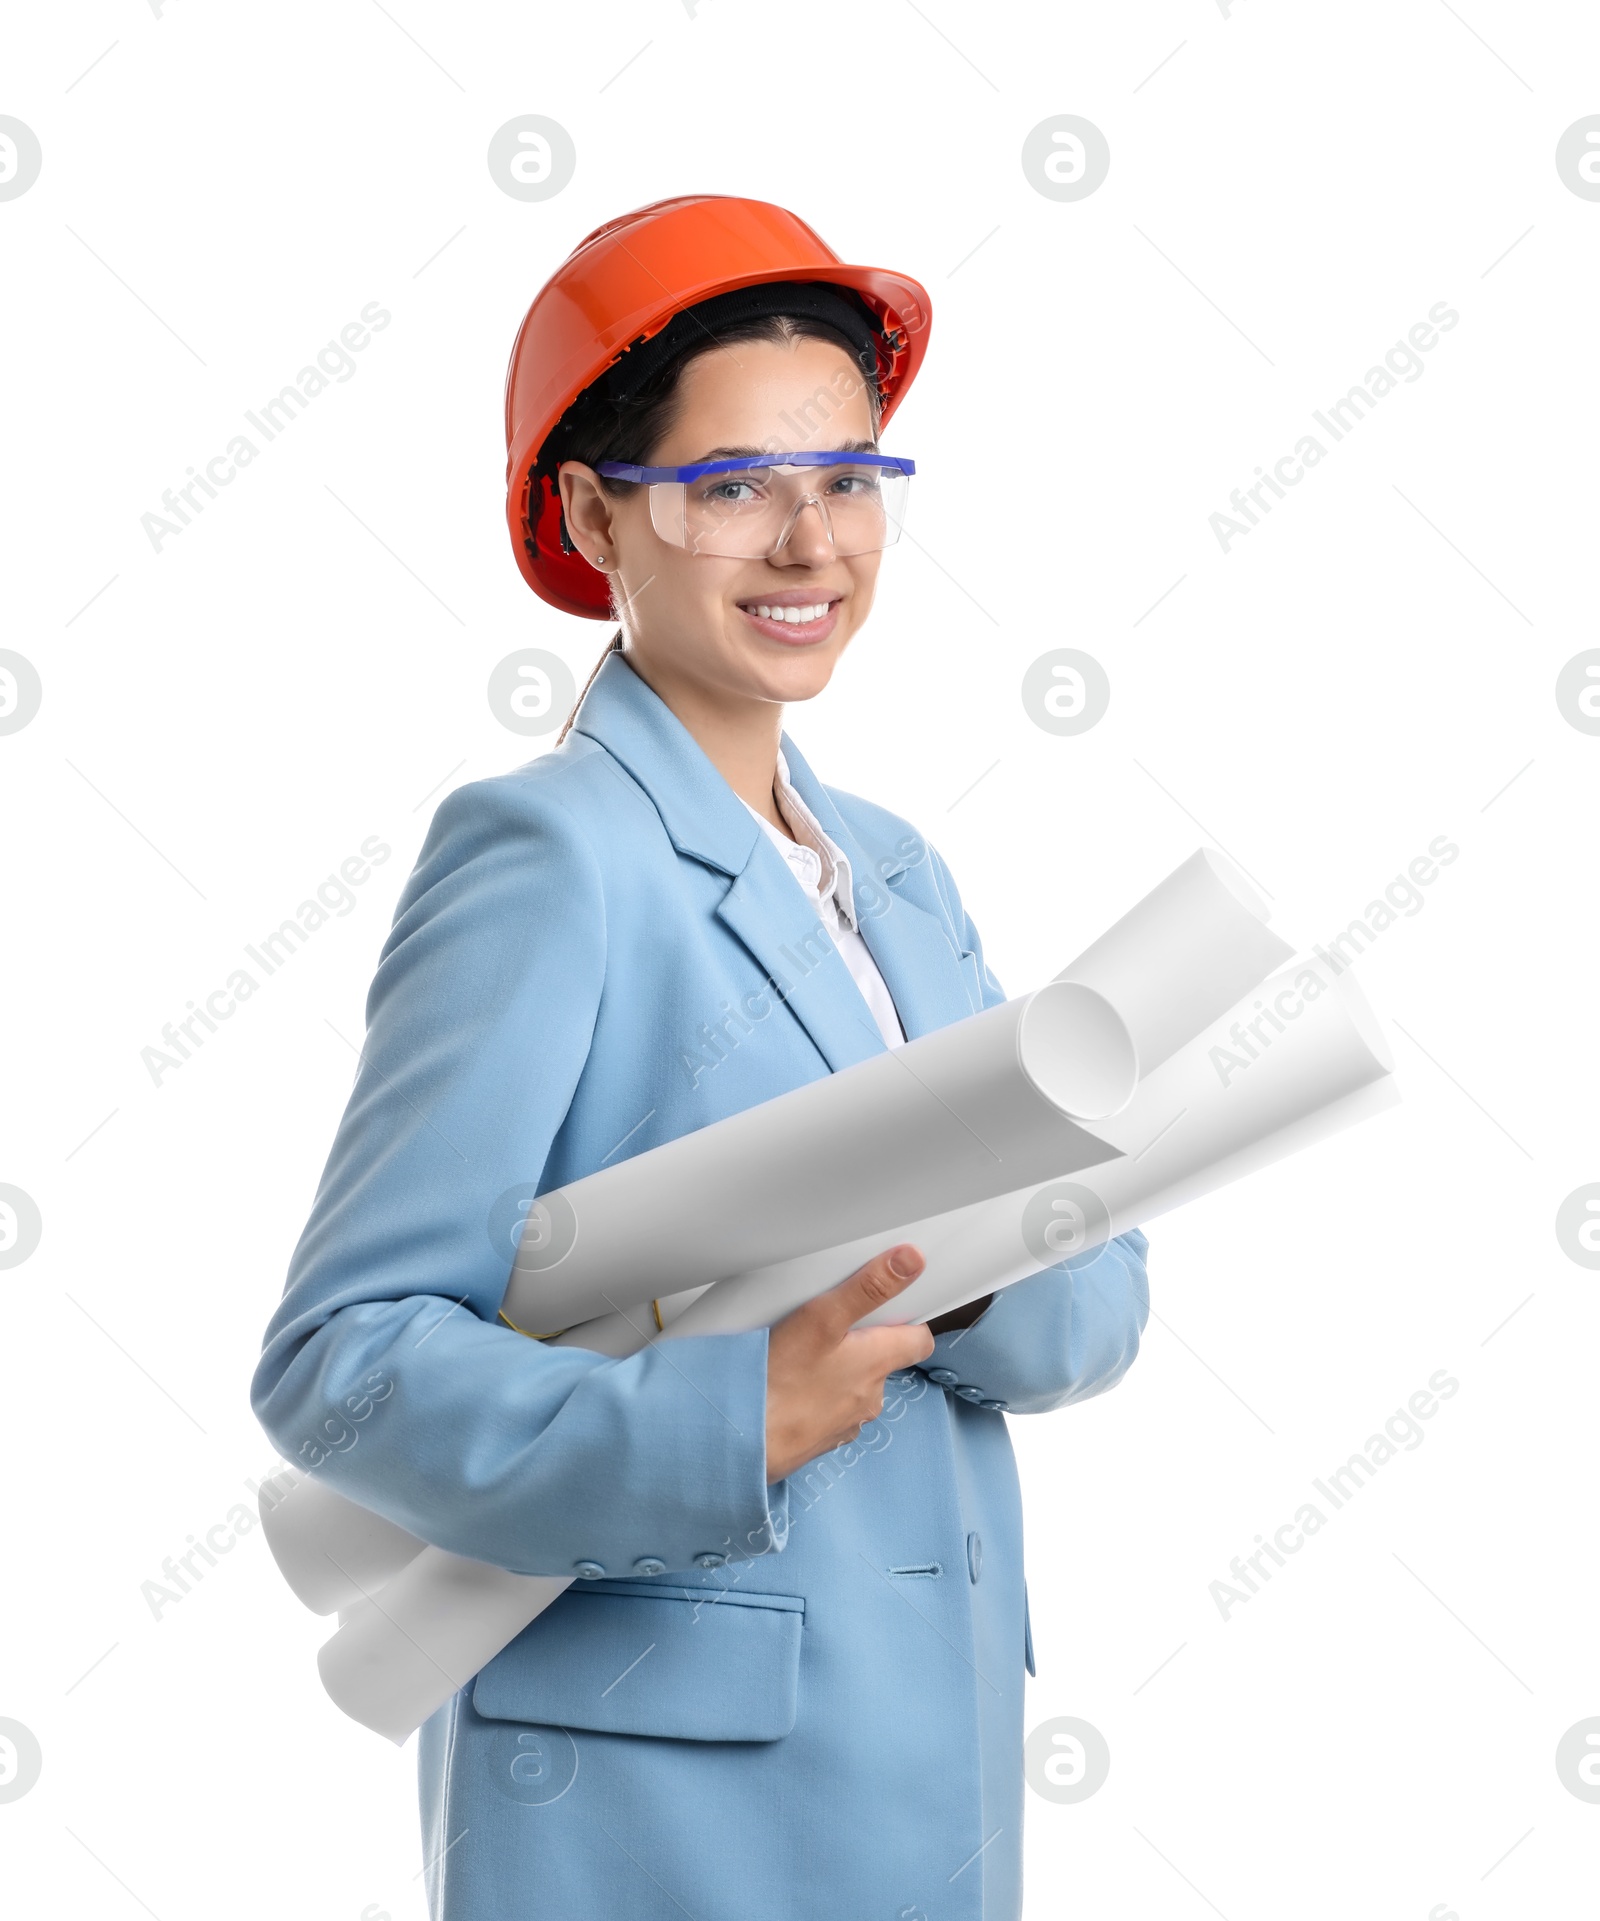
column 624, row 283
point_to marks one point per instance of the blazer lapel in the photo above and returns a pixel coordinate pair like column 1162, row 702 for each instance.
column 705, row 820
column 914, row 953
column 767, row 910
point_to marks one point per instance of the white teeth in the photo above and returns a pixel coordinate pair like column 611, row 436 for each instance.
column 794, row 616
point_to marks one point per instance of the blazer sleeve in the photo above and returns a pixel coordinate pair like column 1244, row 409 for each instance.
column 1071, row 1330
column 385, row 1370
column 1057, row 1337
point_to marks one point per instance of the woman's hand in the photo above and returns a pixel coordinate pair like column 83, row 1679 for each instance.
column 825, row 1375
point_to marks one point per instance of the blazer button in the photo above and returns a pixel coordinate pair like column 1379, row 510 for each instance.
column 648, row 1564
column 711, row 1560
column 998, row 1406
column 969, row 1393
column 945, row 1376
column 588, row 1570
column 974, row 1555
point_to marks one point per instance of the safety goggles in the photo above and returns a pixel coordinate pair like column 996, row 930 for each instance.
column 746, row 509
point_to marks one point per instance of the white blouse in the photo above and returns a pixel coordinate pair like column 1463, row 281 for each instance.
column 823, row 870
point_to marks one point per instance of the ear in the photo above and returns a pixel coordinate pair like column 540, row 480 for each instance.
column 587, row 507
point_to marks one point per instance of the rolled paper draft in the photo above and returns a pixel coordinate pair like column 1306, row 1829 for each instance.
column 970, row 1110
column 976, row 1109
column 1026, row 1073
column 332, row 1551
column 336, row 1554
column 1194, row 1132
column 1174, row 962
column 1195, row 1124
column 399, row 1657
column 1192, row 948
column 1168, row 967
column 424, row 1633
column 1080, row 1229
column 402, row 1654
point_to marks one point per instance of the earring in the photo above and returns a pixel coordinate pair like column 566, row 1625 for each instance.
column 599, row 560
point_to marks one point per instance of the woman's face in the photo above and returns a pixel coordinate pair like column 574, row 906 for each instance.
column 690, row 618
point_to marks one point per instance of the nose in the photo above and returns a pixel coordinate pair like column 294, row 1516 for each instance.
column 807, row 541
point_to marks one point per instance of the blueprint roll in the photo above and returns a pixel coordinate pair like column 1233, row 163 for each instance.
column 1080, row 1227
column 1211, row 1114
column 1003, row 1099
column 336, row 1554
column 1197, row 1124
column 969, row 1111
column 331, row 1551
column 1175, row 962
column 1016, row 1067
column 432, row 1619
column 401, row 1655
column 1035, row 1083
column 1191, row 948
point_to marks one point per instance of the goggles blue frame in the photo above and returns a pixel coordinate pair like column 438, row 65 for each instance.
column 758, row 463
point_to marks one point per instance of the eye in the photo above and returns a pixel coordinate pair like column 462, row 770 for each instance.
column 856, row 482
column 730, row 490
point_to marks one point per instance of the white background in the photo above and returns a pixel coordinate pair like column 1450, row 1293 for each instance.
column 226, row 720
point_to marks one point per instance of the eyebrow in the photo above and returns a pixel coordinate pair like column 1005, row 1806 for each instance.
column 756, row 453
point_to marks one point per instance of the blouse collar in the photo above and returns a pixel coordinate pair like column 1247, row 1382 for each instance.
column 818, row 862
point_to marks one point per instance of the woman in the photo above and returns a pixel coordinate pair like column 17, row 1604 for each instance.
column 787, row 1679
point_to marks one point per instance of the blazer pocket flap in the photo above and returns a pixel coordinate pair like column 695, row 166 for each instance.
column 684, row 1664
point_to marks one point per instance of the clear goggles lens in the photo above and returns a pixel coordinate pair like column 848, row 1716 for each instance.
column 749, row 510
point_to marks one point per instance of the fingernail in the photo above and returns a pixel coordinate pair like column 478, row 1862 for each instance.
column 904, row 1262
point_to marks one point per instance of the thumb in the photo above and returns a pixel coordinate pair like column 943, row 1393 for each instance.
column 880, row 1280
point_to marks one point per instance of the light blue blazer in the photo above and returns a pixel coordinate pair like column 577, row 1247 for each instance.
column 797, row 1700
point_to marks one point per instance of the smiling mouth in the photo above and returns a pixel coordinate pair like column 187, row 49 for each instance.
column 793, row 613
